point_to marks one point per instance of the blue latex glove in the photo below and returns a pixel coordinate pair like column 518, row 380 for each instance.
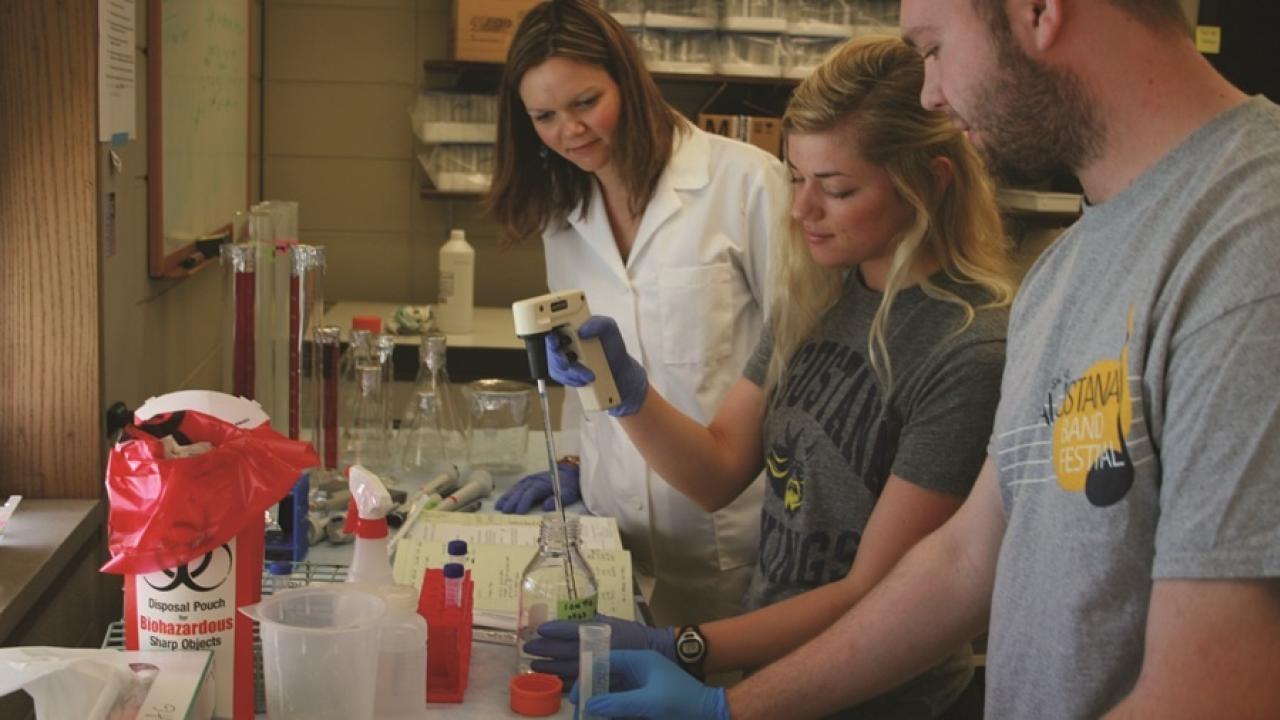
column 652, row 686
column 558, row 641
column 628, row 375
column 536, row 488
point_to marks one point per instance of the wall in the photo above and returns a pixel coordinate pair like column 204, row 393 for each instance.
column 160, row 335
column 341, row 76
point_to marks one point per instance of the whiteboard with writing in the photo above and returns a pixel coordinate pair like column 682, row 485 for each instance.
column 201, row 51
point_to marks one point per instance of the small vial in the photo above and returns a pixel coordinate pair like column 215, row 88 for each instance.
column 453, row 573
column 593, row 663
column 457, row 550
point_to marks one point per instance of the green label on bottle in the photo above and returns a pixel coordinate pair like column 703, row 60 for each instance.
column 580, row 609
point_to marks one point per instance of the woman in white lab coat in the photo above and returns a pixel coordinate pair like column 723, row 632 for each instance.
column 666, row 228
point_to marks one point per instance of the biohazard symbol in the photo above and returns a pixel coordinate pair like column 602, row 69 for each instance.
column 188, row 574
column 1090, row 451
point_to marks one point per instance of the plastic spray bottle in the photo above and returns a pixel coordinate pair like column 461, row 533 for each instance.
column 371, row 502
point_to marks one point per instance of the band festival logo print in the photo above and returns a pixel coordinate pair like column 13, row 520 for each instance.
column 1091, row 427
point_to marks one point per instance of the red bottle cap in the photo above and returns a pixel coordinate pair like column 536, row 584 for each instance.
column 536, row 694
column 372, row 323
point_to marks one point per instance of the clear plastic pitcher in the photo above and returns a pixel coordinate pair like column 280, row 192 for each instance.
column 319, row 652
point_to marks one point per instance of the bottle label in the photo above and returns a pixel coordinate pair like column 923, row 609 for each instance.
column 446, row 286
column 580, row 609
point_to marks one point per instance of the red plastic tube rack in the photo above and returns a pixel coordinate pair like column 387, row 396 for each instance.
column 448, row 638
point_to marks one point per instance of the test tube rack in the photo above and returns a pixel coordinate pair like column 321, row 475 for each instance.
column 448, row 637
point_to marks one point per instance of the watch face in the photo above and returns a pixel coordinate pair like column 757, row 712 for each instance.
column 690, row 646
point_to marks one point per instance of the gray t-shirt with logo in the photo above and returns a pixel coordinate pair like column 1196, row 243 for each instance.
column 1138, row 436
column 829, row 448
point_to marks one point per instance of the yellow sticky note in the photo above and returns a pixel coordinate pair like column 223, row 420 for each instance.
column 1209, row 39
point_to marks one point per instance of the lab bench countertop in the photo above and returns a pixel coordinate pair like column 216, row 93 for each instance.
column 42, row 537
column 492, row 327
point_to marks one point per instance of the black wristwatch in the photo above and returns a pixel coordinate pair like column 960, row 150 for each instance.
column 691, row 650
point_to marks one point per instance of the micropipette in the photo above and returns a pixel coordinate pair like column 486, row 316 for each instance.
column 562, row 313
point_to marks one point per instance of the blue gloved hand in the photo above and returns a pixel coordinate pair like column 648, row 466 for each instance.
column 536, row 488
column 558, row 642
column 651, row 686
column 628, row 375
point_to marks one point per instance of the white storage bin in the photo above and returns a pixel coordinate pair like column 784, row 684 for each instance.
column 440, row 117
column 681, row 14
column 801, row 55
column 758, row 16
column 675, row 51
column 751, row 55
column 459, row 168
column 823, row 18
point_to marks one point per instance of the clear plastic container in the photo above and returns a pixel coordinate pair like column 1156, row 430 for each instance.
column 628, row 13
column 319, row 652
column 402, row 657
column 593, row 663
column 823, row 18
column 557, row 584
column 764, row 16
column 802, row 55
column 461, row 168
column 442, row 117
column 678, row 51
column 750, row 55
column 877, row 17
column 681, row 14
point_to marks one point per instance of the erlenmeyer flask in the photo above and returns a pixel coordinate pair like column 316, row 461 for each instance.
column 366, row 438
column 433, row 428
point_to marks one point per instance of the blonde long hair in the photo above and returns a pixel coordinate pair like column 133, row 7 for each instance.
column 871, row 87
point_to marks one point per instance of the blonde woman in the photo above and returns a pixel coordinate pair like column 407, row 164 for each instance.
column 869, row 400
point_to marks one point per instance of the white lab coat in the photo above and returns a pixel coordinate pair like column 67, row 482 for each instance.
column 689, row 301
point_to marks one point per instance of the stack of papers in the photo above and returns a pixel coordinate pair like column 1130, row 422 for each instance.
column 500, row 547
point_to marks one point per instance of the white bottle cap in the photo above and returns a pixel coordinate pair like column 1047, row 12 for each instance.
column 457, row 235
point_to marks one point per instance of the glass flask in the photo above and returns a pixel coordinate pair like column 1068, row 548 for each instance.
column 557, row 584
column 433, row 428
column 366, row 434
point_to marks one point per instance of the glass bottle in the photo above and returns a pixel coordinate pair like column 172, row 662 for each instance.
column 433, row 429
column 557, row 584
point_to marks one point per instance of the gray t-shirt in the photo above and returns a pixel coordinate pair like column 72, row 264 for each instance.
column 829, row 449
column 1138, row 437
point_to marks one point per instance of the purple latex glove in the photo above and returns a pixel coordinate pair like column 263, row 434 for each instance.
column 536, row 488
column 644, row 684
column 558, row 642
column 628, row 375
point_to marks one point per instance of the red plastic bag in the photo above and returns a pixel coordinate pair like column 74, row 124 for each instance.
column 167, row 512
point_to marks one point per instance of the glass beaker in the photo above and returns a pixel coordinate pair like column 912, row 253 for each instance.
column 319, row 652
column 499, row 425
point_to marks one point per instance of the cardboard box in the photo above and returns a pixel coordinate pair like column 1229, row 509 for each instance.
column 482, row 29
column 763, row 132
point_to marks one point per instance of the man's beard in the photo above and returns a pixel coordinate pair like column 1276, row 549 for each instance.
column 1035, row 122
